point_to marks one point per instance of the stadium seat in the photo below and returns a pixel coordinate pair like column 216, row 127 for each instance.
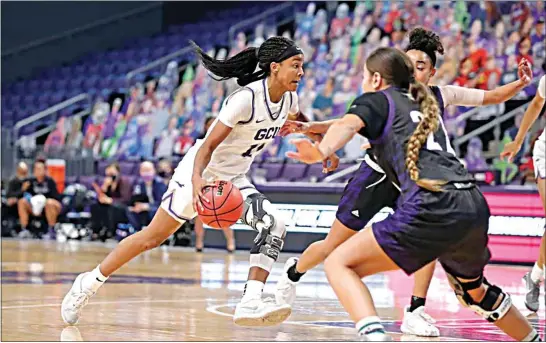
column 273, row 170
column 293, row 172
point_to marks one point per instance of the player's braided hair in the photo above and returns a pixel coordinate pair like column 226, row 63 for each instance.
column 426, row 41
column 396, row 69
column 243, row 65
column 428, row 124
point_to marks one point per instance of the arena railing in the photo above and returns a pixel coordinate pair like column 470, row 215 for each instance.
column 493, row 124
column 52, row 112
column 69, row 34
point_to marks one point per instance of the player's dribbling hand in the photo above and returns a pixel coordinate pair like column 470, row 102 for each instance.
column 525, row 73
column 198, row 183
column 292, row 126
column 510, row 150
column 307, row 152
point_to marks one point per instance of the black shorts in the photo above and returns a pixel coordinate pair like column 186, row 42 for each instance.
column 450, row 226
column 367, row 193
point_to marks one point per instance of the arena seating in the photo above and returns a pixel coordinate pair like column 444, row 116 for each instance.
column 104, row 72
column 351, row 33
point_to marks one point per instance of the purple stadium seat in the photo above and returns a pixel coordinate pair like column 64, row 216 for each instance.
column 128, row 168
column 130, row 179
column 47, row 85
column 29, row 100
column 61, row 84
column 76, row 82
column 293, row 172
column 33, row 85
column 273, row 170
column 315, row 172
column 87, row 181
column 101, row 166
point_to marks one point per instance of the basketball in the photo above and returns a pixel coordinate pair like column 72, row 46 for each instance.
column 225, row 205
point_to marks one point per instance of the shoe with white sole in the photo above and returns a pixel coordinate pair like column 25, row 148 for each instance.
column 257, row 312
column 533, row 292
column 74, row 301
column 419, row 323
column 286, row 288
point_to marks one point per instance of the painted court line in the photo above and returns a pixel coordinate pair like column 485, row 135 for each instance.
column 112, row 302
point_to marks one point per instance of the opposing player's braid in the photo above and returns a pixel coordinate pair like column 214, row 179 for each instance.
column 243, row 65
column 396, row 69
column 428, row 124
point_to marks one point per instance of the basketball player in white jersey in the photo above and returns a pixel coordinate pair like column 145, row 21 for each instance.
column 248, row 121
column 538, row 273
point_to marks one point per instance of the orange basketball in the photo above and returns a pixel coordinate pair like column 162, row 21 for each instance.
column 225, row 205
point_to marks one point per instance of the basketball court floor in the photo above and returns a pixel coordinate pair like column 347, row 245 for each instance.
column 175, row 294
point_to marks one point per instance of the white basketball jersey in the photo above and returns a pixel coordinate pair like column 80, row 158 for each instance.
column 255, row 121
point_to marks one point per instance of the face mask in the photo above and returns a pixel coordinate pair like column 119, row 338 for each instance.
column 163, row 174
column 147, row 177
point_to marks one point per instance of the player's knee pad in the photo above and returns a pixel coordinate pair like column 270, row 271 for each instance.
column 259, row 214
column 494, row 305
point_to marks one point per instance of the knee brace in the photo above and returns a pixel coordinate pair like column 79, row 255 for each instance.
column 494, row 305
column 258, row 214
column 254, row 213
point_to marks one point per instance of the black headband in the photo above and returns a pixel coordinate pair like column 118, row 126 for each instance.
column 292, row 50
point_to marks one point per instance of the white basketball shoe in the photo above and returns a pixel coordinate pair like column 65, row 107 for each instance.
column 258, row 312
column 286, row 288
column 419, row 323
column 75, row 300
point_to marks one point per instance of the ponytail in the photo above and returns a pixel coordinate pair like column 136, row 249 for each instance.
column 429, row 124
column 243, row 65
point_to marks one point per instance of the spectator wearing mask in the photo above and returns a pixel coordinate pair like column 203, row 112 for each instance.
column 15, row 191
column 165, row 170
column 110, row 209
column 146, row 197
column 40, row 196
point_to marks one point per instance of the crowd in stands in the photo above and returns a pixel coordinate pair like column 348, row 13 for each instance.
column 160, row 119
column 483, row 42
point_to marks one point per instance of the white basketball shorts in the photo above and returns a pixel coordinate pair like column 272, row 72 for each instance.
column 177, row 200
column 539, row 156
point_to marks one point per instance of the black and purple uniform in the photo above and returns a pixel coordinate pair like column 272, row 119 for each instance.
column 369, row 191
column 450, row 225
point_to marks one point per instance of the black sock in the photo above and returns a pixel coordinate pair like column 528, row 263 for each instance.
column 293, row 274
column 416, row 302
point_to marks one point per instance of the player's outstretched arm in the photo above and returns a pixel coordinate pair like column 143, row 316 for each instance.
column 471, row 97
